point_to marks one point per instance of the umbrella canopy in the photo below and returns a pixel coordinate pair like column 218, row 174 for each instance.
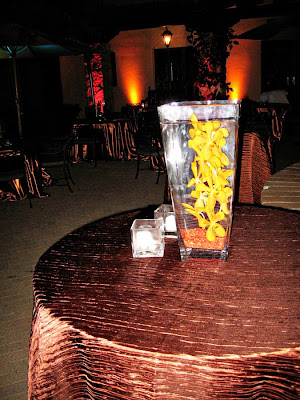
column 32, row 43
column 32, row 51
column 282, row 28
column 17, row 41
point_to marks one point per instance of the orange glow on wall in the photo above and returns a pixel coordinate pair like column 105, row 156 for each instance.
column 132, row 91
column 131, row 77
column 240, row 83
column 134, row 66
column 244, row 69
column 239, row 68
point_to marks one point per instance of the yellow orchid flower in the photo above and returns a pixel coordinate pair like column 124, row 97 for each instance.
column 201, row 221
column 196, row 173
column 210, row 178
column 208, row 139
column 215, row 229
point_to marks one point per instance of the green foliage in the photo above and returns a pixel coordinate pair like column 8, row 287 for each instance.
column 211, row 51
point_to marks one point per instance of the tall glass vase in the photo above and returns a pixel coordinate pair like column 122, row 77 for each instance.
column 200, row 145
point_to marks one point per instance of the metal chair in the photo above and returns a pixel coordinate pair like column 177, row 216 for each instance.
column 148, row 143
column 93, row 136
column 56, row 154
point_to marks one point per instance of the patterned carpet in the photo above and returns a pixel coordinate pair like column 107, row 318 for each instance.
column 26, row 233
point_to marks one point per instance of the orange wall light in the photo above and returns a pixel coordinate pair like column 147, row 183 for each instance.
column 132, row 91
column 243, row 70
column 237, row 84
column 134, row 63
column 131, row 74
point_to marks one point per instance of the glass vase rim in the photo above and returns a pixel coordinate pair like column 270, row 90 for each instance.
column 201, row 103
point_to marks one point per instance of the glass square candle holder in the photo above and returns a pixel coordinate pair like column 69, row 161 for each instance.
column 147, row 238
column 166, row 214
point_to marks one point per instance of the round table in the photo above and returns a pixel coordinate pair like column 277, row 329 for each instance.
column 283, row 189
column 108, row 326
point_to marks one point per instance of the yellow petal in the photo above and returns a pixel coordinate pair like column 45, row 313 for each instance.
column 204, row 168
column 194, row 168
column 209, row 178
column 187, row 205
column 220, row 231
column 227, row 173
column 211, row 201
column 218, row 135
column 221, row 197
column 216, row 152
column 198, row 140
column 221, row 143
column 195, row 194
column 225, row 159
column 193, row 212
column 202, row 222
column 210, row 234
column 220, row 181
column 192, row 132
column 209, row 127
column 199, row 205
column 194, row 121
column 216, row 125
column 206, row 152
column 219, row 216
column 215, row 161
column 224, row 207
column 201, row 187
column 193, row 146
column 224, row 131
column 228, row 191
column 191, row 182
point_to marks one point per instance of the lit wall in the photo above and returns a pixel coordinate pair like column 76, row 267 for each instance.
column 135, row 67
column 244, row 63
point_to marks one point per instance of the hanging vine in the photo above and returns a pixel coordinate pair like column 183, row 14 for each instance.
column 211, row 51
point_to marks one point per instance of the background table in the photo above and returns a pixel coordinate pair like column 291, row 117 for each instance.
column 283, row 189
column 107, row 326
column 32, row 182
column 118, row 137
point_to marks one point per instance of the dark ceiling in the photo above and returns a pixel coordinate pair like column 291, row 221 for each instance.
column 98, row 21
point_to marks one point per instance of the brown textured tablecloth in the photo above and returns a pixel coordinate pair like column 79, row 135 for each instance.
column 118, row 138
column 34, row 177
column 107, row 326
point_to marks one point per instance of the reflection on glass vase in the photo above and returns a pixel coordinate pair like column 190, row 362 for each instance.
column 200, row 144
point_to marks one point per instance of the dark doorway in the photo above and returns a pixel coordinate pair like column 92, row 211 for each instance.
column 175, row 73
column 281, row 67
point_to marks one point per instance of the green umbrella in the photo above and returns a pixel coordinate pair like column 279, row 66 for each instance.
column 17, row 41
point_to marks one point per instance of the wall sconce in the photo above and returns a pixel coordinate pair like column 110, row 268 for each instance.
column 167, row 36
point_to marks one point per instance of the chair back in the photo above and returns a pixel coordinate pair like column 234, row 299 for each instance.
column 253, row 121
column 55, row 152
column 148, row 136
column 88, row 134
